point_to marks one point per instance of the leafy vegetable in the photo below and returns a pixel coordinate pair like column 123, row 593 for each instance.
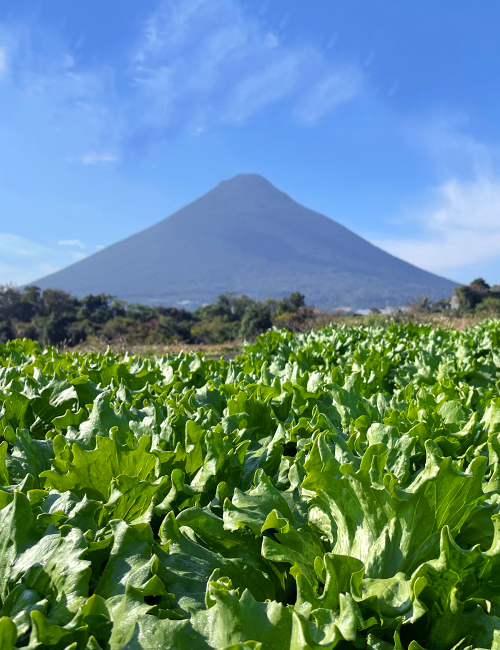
column 326, row 490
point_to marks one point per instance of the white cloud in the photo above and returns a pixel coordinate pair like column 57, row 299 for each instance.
column 16, row 246
column 195, row 64
column 42, row 68
column 393, row 89
column 24, row 261
column 462, row 227
column 262, row 88
column 338, row 88
column 3, row 62
column 271, row 40
column 68, row 61
column 332, row 41
column 453, row 150
column 94, row 158
column 369, row 59
column 207, row 61
column 74, row 243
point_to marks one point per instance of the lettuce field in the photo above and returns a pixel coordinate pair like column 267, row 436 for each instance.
column 337, row 489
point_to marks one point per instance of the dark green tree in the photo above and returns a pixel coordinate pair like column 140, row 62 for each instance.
column 257, row 319
column 471, row 295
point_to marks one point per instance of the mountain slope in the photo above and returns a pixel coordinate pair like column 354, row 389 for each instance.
column 248, row 237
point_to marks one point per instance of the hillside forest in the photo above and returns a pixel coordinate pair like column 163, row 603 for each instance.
column 55, row 317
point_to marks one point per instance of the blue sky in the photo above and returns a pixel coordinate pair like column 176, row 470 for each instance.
column 382, row 115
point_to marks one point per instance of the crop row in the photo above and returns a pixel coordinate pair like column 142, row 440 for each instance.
column 334, row 489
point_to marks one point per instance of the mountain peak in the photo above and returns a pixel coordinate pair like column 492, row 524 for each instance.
column 247, row 236
column 248, row 189
column 247, row 180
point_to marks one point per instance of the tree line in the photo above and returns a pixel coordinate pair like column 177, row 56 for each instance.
column 478, row 296
column 55, row 317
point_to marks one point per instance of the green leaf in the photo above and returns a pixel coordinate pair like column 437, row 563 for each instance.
column 8, row 633
column 373, row 518
column 91, row 472
column 49, row 635
column 185, row 567
column 231, row 619
column 131, row 560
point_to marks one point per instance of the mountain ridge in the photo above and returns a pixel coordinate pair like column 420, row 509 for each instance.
column 247, row 236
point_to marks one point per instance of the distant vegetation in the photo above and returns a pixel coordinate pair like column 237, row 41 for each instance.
column 55, row 317
column 477, row 296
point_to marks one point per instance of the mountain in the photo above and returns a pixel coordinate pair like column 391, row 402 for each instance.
column 248, row 237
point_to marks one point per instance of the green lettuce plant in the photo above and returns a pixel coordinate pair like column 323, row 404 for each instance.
column 337, row 489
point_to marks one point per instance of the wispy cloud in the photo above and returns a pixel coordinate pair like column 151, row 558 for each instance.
column 202, row 62
column 24, row 261
column 40, row 67
column 3, row 62
column 329, row 92
column 393, row 89
column 73, row 243
column 195, row 64
column 448, row 139
column 458, row 226
column 461, row 228
column 261, row 88
column 17, row 246
column 95, row 158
